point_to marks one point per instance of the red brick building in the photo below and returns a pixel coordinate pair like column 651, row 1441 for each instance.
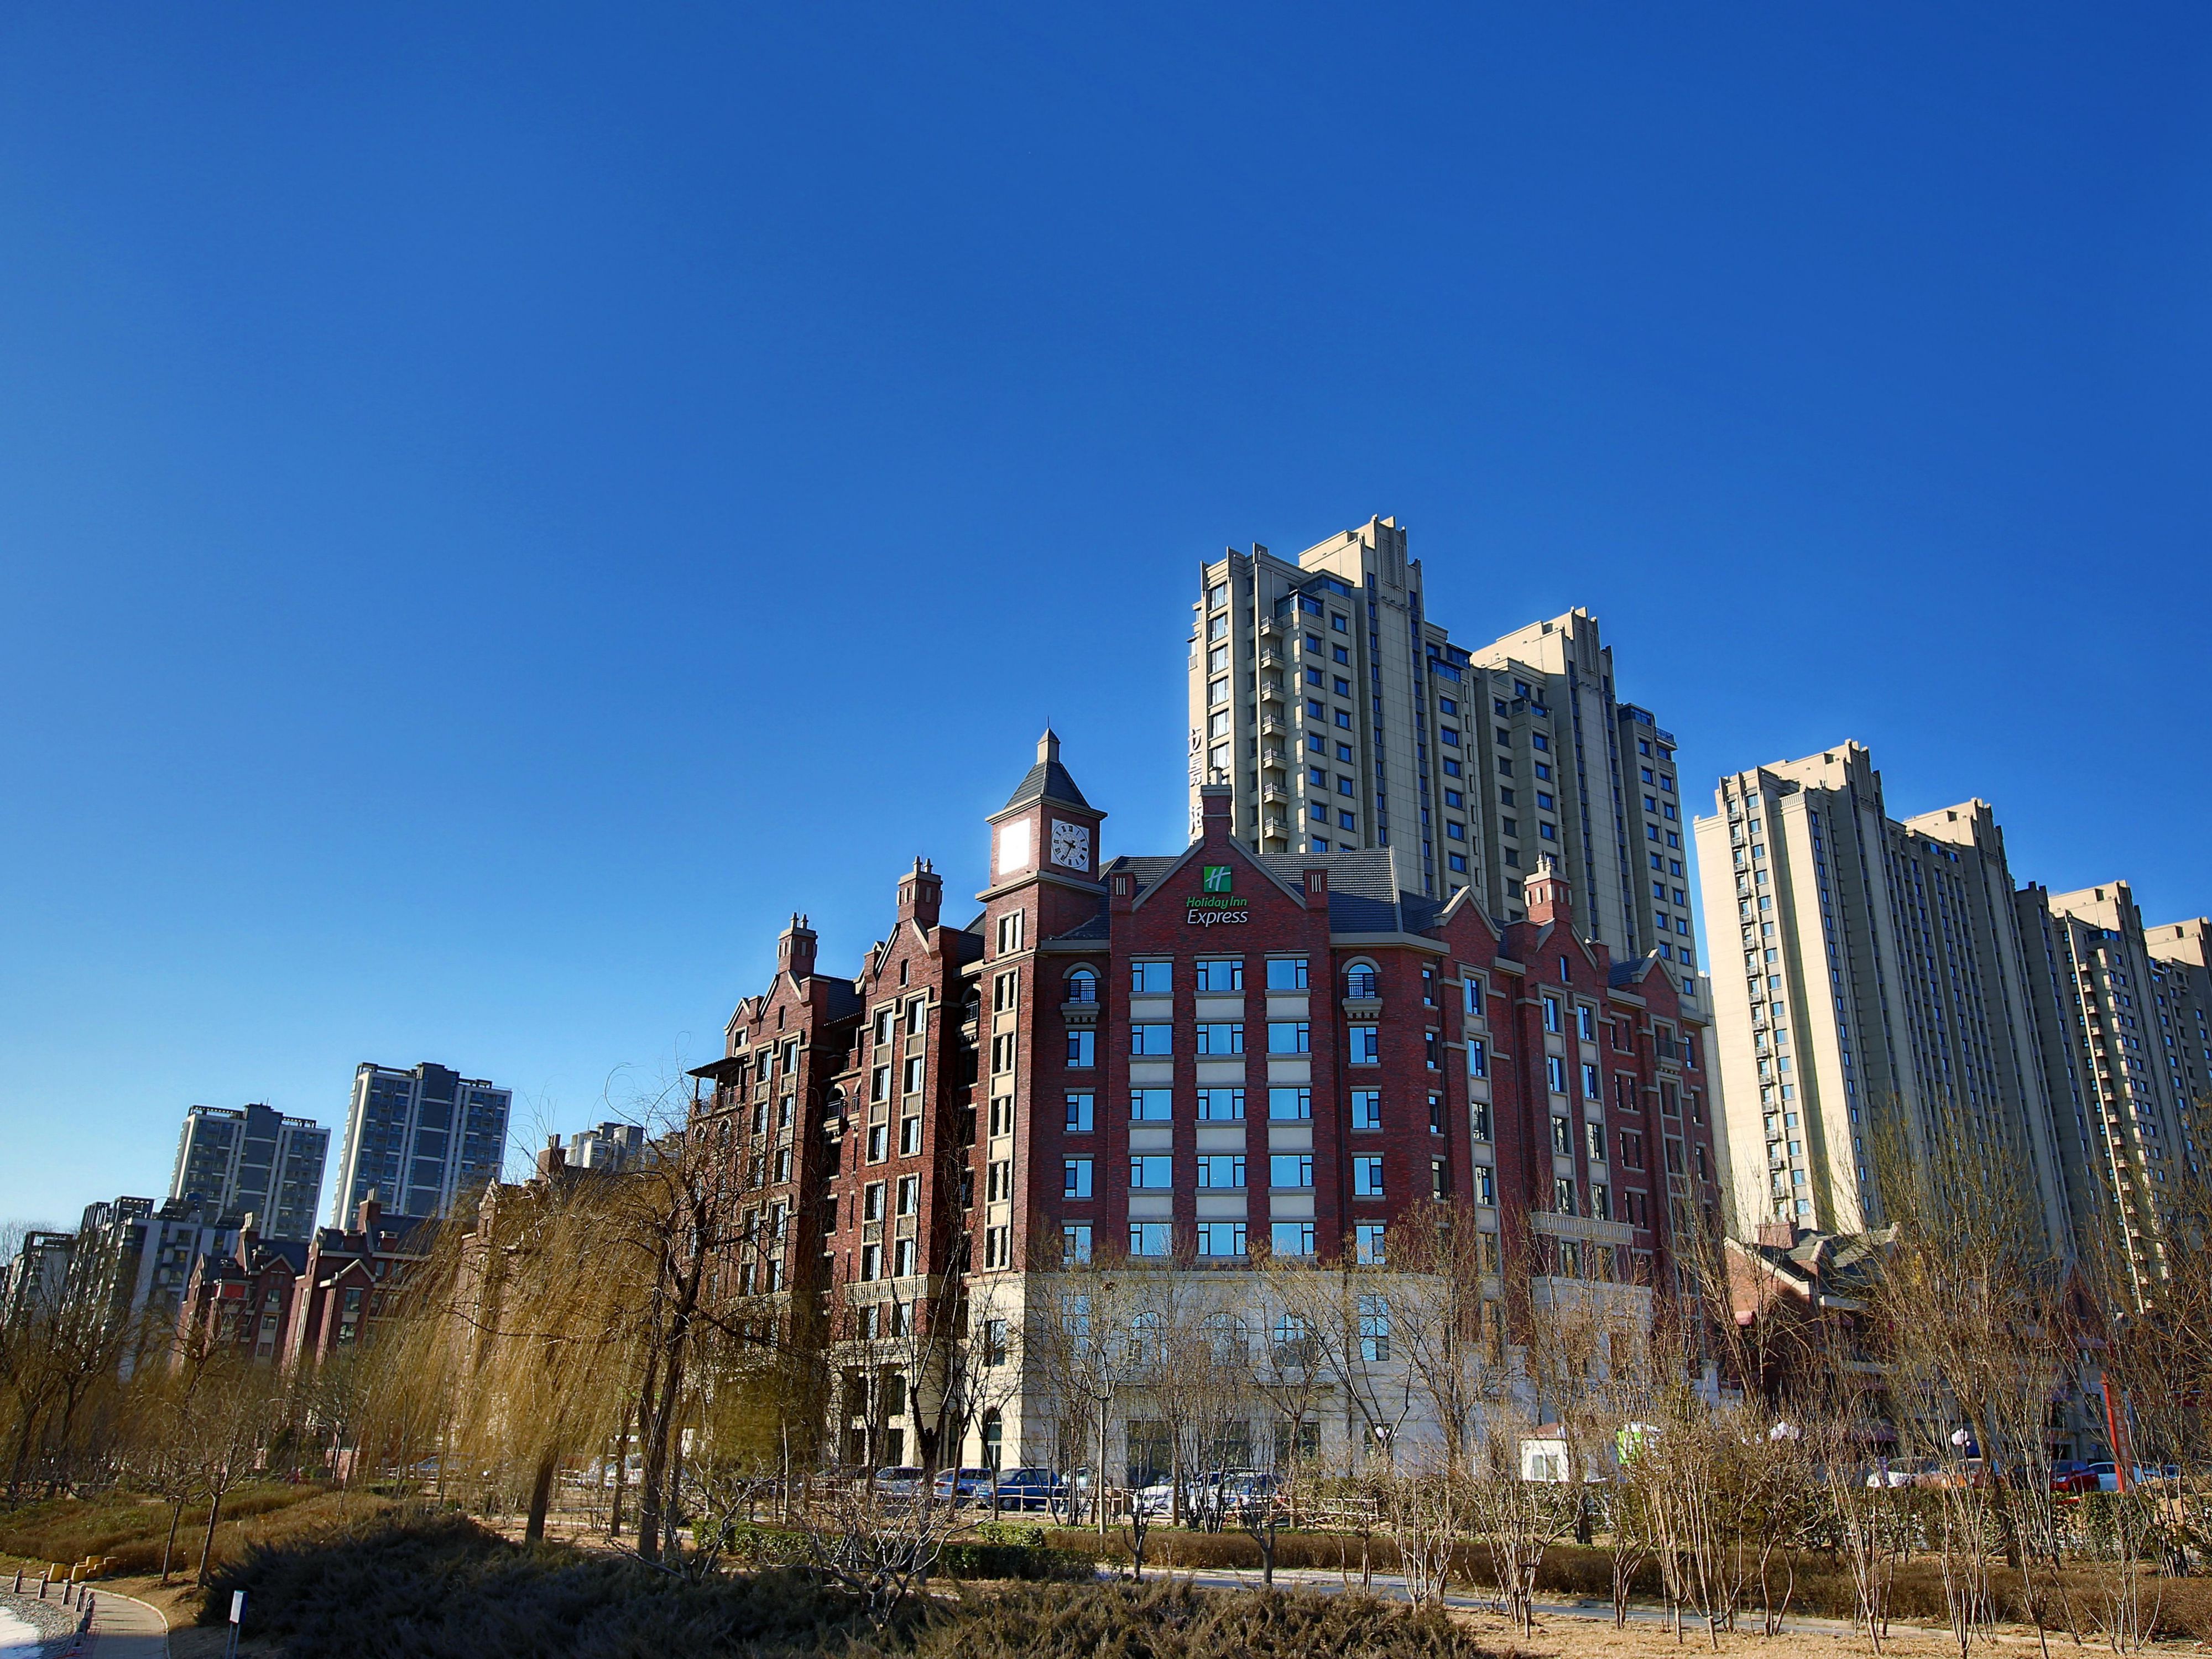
column 1201, row 1057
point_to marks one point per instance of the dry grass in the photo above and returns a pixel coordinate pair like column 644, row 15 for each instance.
column 130, row 1527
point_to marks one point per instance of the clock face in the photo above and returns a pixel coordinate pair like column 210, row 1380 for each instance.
column 1070, row 845
column 1014, row 847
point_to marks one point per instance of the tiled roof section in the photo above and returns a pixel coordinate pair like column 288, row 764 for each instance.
column 1047, row 780
column 841, row 1001
column 1364, row 896
column 1628, row 972
column 1098, row 926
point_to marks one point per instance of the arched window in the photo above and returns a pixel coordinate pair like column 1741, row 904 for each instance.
column 1361, row 980
column 1082, row 985
column 1143, row 1339
column 1225, row 1340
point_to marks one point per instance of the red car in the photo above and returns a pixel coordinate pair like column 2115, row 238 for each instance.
column 2071, row 1474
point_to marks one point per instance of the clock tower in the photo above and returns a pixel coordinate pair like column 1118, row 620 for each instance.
column 1048, row 834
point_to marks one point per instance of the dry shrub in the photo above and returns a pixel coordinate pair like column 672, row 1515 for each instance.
column 1170, row 1619
column 423, row 1583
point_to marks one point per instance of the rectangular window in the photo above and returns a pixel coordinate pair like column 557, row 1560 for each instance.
column 1590, row 1091
column 1366, row 1046
column 1288, row 1038
column 871, row 1201
column 1151, row 1172
column 1220, row 1170
column 1367, row 1177
column 1291, row 1237
column 1226, row 1037
column 902, row 1259
column 1479, row 1120
column 1290, row 1105
column 1151, row 1038
column 1286, row 972
column 1075, row 1241
column 871, row 1261
column 1151, row 979
column 1221, row 974
column 1148, row 1238
column 1485, row 1184
column 1151, row 1105
column 1367, row 1240
column 913, row 1079
column 1563, row 1195
column 1553, row 1020
column 1221, row 1105
column 1366, row 1108
column 1478, row 1057
column 909, row 1198
column 1585, row 1022
column 1562, row 1137
column 1082, row 1049
column 1079, row 1111
column 1457, row 861
column 1219, row 1238
column 909, row 1144
column 1290, row 1170
column 1601, row 1201
column 1076, row 1178
column 880, row 1082
column 1375, row 1330
column 1555, row 1069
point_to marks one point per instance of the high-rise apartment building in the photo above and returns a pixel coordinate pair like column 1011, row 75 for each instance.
column 253, row 1161
column 2127, row 1026
column 1881, row 1005
column 418, row 1140
column 1342, row 719
column 606, row 1147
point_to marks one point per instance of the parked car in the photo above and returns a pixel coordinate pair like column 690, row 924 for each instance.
column 1155, row 1501
column 2072, row 1474
column 1032, row 1489
column 1239, row 1496
column 2154, row 1477
column 963, row 1485
column 1907, row 1472
column 897, row 1480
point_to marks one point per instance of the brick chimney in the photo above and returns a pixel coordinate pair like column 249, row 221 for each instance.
column 794, row 949
column 921, row 894
column 1213, row 805
column 1546, row 895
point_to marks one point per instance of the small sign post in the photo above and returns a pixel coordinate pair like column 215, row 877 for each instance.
column 237, row 1616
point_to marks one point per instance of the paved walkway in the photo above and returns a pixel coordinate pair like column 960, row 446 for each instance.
column 124, row 1629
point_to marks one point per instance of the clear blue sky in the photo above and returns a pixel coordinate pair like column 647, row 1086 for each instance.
column 499, row 505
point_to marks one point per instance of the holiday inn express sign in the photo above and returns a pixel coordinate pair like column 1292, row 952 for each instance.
column 1216, row 905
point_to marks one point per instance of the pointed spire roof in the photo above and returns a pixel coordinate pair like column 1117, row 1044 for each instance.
column 1048, row 779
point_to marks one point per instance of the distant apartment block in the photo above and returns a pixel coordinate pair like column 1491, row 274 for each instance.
column 1342, row 718
column 32, row 1286
column 1879, row 1004
column 418, row 1140
column 253, row 1161
column 131, row 1263
column 607, row 1146
column 2126, row 1018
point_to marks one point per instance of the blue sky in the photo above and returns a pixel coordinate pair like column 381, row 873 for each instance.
column 500, row 504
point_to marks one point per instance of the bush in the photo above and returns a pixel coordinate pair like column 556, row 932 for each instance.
column 1171, row 1621
column 425, row 1585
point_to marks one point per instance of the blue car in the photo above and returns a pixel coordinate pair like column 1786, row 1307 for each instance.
column 963, row 1485
column 1032, row 1489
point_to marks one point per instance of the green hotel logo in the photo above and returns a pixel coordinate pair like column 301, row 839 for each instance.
column 1217, row 904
